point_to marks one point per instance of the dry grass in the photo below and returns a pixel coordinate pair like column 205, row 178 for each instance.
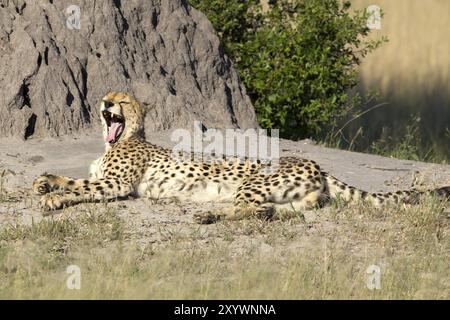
column 325, row 255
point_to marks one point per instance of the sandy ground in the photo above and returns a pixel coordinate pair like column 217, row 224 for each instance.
column 22, row 161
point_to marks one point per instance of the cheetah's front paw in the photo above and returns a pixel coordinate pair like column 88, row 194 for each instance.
column 51, row 201
column 41, row 185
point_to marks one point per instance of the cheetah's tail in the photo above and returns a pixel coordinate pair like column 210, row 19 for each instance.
column 338, row 189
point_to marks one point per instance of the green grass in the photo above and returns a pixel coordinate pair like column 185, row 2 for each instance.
column 325, row 256
column 407, row 145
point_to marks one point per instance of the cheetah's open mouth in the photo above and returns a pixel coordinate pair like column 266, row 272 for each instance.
column 115, row 124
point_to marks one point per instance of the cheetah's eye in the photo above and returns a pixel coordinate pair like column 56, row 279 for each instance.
column 108, row 104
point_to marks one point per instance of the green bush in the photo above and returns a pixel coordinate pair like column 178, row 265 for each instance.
column 297, row 60
column 234, row 20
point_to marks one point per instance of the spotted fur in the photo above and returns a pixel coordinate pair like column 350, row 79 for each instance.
column 132, row 166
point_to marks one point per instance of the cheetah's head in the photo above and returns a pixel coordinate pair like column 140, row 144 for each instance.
column 122, row 118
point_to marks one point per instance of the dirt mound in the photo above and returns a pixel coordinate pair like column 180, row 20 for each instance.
column 60, row 59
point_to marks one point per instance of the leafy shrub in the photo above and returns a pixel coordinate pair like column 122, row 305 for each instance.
column 297, row 60
column 234, row 20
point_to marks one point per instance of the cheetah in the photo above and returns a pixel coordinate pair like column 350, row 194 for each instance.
column 131, row 166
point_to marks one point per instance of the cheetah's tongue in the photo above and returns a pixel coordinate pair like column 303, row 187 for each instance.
column 115, row 130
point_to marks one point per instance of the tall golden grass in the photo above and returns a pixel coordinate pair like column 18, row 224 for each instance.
column 412, row 71
column 416, row 61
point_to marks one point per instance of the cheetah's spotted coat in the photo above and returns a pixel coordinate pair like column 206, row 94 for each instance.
column 132, row 166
